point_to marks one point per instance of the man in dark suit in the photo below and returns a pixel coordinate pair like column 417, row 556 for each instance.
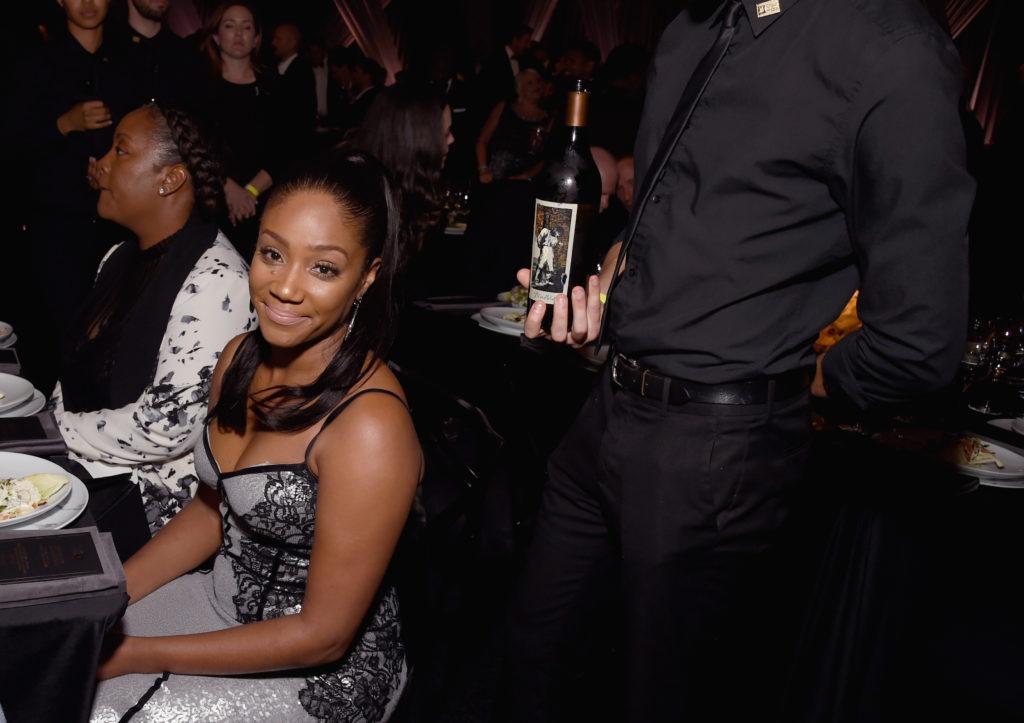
column 295, row 90
column 497, row 78
column 365, row 86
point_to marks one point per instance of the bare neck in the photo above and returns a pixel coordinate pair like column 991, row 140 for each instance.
column 161, row 225
column 89, row 38
column 237, row 70
column 302, row 365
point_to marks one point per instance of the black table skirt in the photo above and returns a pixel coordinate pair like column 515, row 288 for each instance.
column 49, row 655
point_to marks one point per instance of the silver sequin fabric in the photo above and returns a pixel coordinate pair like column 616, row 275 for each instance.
column 260, row 574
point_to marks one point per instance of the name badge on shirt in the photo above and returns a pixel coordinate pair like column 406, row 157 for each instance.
column 768, row 8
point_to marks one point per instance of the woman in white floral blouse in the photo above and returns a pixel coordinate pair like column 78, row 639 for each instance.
column 132, row 394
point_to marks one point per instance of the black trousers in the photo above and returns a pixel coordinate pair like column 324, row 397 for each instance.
column 681, row 506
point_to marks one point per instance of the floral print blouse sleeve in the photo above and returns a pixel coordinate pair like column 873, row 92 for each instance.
column 163, row 425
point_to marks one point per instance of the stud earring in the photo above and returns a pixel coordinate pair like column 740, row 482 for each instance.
column 163, row 191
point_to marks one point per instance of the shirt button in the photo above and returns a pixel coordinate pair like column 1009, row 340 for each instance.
column 632, row 272
column 656, row 198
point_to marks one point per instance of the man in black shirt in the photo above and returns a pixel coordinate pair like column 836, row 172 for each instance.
column 790, row 152
column 169, row 69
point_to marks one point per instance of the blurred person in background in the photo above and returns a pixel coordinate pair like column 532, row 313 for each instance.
column 242, row 115
column 295, row 95
column 409, row 130
column 170, row 71
column 624, row 185
column 366, row 83
column 511, row 143
column 618, row 99
column 67, row 95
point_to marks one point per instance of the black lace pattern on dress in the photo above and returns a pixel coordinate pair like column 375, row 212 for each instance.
column 273, row 562
column 370, row 674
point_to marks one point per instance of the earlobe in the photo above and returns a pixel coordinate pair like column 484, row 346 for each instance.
column 173, row 180
column 371, row 276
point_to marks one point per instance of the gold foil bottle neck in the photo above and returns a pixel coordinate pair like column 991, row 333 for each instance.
column 576, row 109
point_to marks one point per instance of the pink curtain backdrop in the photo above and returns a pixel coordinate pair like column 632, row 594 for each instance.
column 960, row 13
column 372, row 32
column 982, row 43
column 602, row 23
column 538, row 15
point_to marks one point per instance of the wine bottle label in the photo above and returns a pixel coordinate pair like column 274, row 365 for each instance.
column 554, row 230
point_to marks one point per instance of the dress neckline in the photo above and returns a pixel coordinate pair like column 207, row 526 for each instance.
column 279, row 466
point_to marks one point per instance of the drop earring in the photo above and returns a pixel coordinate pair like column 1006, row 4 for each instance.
column 355, row 310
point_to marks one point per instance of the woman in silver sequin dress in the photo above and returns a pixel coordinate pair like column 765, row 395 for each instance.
column 309, row 463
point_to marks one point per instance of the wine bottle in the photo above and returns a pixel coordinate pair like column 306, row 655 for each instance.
column 567, row 195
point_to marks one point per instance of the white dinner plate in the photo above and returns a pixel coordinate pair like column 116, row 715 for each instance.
column 13, row 464
column 16, row 391
column 63, row 514
column 9, row 341
column 60, row 515
column 1012, row 469
column 495, row 315
column 26, row 409
column 1009, row 424
column 485, row 324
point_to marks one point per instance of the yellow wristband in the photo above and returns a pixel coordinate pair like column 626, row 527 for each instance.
column 603, row 297
column 253, row 190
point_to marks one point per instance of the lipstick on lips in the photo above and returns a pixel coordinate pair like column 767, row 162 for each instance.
column 279, row 316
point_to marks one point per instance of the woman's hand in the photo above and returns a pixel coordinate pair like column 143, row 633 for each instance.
column 86, row 116
column 118, row 657
column 241, row 204
column 92, row 174
column 587, row 312
column 485, row 175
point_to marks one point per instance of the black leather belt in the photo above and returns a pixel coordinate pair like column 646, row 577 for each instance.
column 631, row 375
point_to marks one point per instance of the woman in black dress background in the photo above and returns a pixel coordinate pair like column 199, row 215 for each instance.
column 241, row 115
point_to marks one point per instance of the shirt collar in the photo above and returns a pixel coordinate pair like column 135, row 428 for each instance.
column 282, row 67
column 763, row 13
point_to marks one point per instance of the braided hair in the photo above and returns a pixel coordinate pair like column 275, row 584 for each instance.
column 179, row 139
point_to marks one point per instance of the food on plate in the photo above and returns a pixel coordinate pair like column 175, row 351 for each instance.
column 21, row 495
column 516, row 317
column 957, row 449
column 970, row 451
column 516, row 296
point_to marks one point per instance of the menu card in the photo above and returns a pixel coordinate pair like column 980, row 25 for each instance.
column 39, row 567
column 48, row 557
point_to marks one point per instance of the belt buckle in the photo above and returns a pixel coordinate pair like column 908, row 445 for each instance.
column 620, row 359
column 643, row 383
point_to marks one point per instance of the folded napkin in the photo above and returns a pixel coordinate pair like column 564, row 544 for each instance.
column 52, row 443
column 107, row 575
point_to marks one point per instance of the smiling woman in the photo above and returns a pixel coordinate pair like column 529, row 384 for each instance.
column 309, row 465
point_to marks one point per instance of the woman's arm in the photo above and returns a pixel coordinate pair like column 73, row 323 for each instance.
column 181, row 545
column 165, row 421
column 369, row 464
column 484, row 139
column 193, row 534
column 261, row 181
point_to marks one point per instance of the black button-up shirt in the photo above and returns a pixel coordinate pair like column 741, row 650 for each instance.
column 825, row 155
